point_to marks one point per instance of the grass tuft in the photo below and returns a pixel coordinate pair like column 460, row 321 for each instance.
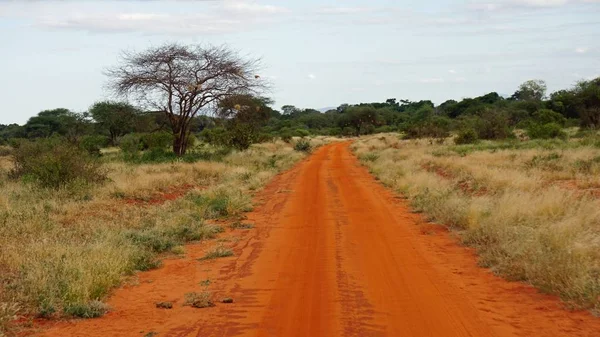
column 217, row 252
column 198, row 300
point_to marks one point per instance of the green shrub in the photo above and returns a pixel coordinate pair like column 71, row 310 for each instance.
column 130, row 143
column 546, row 116
column 303, row 146
column 264, row 137
column 92, row 309
column 302, row 133
column 55, row 163
column 546, row 131
column 493, row 124
column 156, row 140
column 215, row 136
column 93, row 144
column 466, row 136
column 286, row 137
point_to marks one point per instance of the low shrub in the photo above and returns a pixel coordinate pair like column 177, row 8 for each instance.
column 92, row 309
column 286, row 137
column 130, row 143
column 198, row 300
column 93, row 144
column 303, row 146
column 466, row 136
column 217, row 252
column 55, row 163
column 5, row 151
column 546, row 131
column 156, row 140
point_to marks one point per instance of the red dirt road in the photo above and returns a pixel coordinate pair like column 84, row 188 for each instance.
column 334, row 254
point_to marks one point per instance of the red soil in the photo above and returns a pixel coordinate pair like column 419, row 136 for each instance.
column 172, row 193
column 334, row 253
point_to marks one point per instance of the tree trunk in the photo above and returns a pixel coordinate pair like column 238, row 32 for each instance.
column 180, row 142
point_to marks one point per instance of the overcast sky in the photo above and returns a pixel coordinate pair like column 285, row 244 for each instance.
column 316, row 53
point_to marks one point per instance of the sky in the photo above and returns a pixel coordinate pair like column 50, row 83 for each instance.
column 315, row 53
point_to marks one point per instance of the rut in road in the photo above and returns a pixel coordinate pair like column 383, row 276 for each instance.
column 336, row 254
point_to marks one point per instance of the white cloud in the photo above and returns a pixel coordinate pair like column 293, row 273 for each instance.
column 432, row 80
column 460, row 80
column 245, row 7
column 344, row 10
column 500, row 5
column 452, row 71
column 581, row 50
column 208, row 17
column 311, row 76
column 540, row 3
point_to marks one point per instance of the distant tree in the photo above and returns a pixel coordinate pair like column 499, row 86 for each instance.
column 587, row 100
column 391, row 101
column 60, row 121
column 342, row 107
column 361, row 118
column 11, row 131
column 184, row 81
column 564, row 102
column 289, row 110
column 532, row 90
column 116, row 118
column 244, row 115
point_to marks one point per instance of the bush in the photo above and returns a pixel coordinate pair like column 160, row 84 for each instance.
column 5, row 151
column 546, row 116
column 130, row 143
column 493, row 125
column 264, row 137
column 54, row 163
column 302, row 133
column 546, row 131
column 286, row 137
column 467, row 136
column 156, row 140
column 93, row 309
column 93, row 144
column 434, row 127
column 303, row 146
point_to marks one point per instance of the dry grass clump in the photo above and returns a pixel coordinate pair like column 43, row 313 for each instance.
column 64, row 249
column 217, row 252
column 198, row 300
column 532, row 209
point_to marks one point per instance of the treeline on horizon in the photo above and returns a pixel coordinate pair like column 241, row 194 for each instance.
column 490, row 116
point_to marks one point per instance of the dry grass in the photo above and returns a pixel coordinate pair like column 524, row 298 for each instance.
column 62, row 251
column 532, row 209
column 198, row 300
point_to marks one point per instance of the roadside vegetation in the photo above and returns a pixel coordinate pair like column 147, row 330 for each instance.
column 67, row 242
column 531, row 208
column 88, row 198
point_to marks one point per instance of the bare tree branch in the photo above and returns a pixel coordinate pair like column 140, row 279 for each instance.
column 184, row 81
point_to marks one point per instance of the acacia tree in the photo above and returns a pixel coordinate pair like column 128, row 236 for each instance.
column 184, row 81
column 532, row 90
column 244, row 115
column 117, row 118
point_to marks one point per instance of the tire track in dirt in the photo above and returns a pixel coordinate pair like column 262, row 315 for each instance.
column 334, row 253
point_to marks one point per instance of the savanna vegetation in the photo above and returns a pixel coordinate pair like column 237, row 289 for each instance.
column 530, row 208
column 89, row 198
column 68, row 238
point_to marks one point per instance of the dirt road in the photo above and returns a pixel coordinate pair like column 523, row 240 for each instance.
column 335, row 254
